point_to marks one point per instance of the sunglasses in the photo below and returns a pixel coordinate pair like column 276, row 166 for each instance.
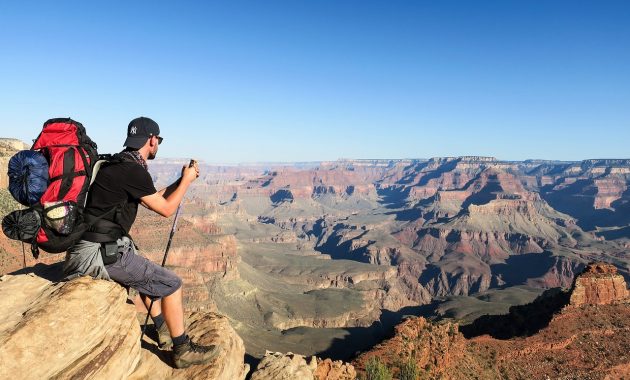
column 160, row 139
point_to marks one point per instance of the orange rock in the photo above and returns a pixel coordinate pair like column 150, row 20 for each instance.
column 334, row 370
column 599, row 284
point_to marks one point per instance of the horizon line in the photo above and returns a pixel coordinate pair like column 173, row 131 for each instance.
column 341, row 160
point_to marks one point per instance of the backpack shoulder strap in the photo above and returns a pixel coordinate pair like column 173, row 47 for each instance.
column 101, row 230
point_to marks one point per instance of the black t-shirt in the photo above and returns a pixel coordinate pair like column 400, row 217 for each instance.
column 118, row 183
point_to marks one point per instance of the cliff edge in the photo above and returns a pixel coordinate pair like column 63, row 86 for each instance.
column 585, row 336
column 599, row 284
column 85, row 329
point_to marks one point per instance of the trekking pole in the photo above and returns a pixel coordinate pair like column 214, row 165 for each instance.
column 168, row 247
column 24, row 255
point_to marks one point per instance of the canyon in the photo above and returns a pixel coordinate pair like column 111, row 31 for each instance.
column 561, row 334
column 326, row 258
column 347, row 248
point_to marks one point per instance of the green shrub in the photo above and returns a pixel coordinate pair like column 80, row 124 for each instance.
column 409, row 370
column 451, row 330
column 376, row 370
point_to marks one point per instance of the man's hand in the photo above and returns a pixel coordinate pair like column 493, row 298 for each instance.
column 190, row 173
column 165, row 202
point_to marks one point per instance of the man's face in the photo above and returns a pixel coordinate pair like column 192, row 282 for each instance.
column 154, row 144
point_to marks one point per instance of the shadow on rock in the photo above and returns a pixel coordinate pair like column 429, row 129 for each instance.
column 51, row 272
column 522, row 320
column 393, row 197
column 165, row 356
column 517, row 269
column 361, row 339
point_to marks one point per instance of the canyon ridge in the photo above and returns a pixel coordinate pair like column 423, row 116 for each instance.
column 325, row 258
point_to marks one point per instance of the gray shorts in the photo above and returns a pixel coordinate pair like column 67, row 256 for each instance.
column 148, row 278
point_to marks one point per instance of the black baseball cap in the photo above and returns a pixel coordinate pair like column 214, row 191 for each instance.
column 139, row 131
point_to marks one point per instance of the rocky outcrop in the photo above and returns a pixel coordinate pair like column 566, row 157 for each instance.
column 599, row 284
column 8, row 147
column 353, row 318
column 334, row 370
column 279, row 366
column 217, row 256
column 205, row 328
column 547, row 338
column 441, row 282
column 434, row 348
column 85, row 329
column 609, row 190
column 195, row 290
column 193, row 246
column 338, row 180
column 80, row 329
column 561, row 273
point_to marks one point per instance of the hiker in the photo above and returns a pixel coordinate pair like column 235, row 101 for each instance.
column 106, row 251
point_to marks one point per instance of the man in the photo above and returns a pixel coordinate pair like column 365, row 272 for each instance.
column 106, row 251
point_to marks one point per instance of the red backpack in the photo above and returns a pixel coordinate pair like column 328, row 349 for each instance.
column 56, row 222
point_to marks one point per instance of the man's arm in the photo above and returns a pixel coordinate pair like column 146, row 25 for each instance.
column 165, row 192
column 165, row 201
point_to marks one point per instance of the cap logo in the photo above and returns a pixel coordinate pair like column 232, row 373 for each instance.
column 133, row 130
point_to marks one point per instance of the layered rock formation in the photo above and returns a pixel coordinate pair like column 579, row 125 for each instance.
column 585, row 339
column 433, row 348
column 419, row 229
column 279, row 366
column 443, row 227
column 80, row 329
column 343, row 179
column 85, row 329
column 200, row 253
column 599, row 284
column 334, row 370
column 205, row 328
column 207, row 251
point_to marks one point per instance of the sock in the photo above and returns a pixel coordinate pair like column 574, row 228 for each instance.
column 158, row 321
column 179, row 340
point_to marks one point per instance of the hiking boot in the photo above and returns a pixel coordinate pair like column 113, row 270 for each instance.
column 164, row 338
column 191, row 353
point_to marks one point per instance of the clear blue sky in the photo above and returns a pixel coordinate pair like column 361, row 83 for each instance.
column 320, row 80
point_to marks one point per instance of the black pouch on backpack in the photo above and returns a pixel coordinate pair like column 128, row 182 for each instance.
column 109, row 252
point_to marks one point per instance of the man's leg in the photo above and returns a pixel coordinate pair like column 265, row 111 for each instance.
column 143, row 302
column 172, row 310
column 152, row 281
column 155, row 281
column 173, row 321
column 173, row 313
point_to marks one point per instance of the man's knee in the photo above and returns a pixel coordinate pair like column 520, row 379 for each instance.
column 178, row 283
column 167, row 282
